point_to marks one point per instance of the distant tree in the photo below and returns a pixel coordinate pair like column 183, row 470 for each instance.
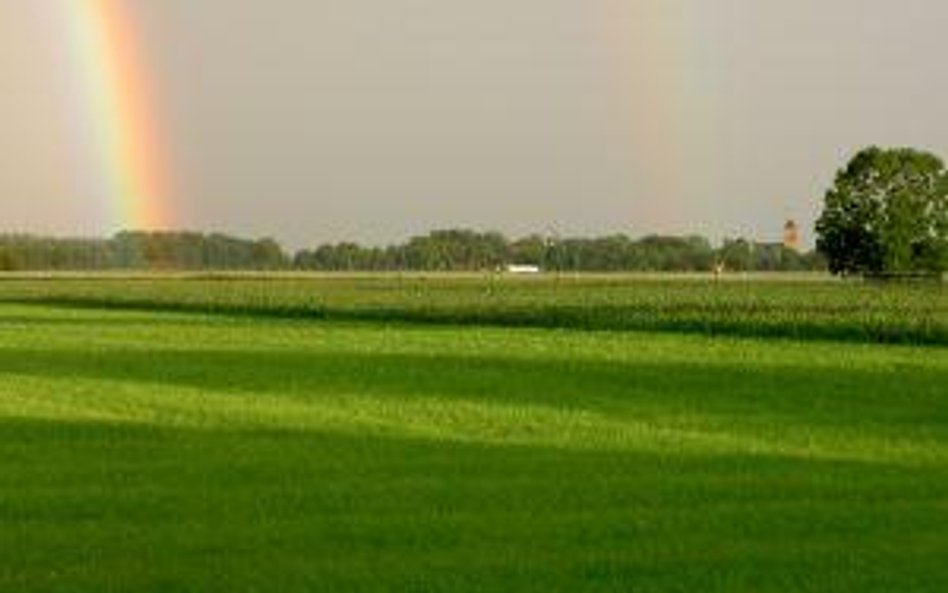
column 530, row 250
column 266, row 254
column 737, row 255
column 7, row 260
column 887, row 212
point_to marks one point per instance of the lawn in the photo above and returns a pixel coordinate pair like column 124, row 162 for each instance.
column 175, row 436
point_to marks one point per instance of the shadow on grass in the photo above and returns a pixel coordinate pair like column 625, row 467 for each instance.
column 829, row 396
column 800, row 322
column 97, row 507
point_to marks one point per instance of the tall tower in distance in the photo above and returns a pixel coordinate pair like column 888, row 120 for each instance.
column 791, row 235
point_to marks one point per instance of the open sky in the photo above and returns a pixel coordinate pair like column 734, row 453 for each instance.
column 318, row 120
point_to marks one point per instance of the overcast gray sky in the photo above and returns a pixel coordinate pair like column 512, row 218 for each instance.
column 316, row 120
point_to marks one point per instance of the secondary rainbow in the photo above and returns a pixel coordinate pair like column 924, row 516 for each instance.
column 654, row 46
column 120, row 116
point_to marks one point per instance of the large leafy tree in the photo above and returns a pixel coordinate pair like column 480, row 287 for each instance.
column 887, row 213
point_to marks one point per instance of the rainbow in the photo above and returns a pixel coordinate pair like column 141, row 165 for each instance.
column 118, row 105
column 650, row 41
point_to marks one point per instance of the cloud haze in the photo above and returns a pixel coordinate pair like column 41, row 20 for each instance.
column 315, row 120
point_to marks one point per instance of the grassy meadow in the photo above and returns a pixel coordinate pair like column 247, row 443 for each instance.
column 412, row 433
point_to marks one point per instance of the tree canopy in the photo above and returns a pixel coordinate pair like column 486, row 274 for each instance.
column 887, row 212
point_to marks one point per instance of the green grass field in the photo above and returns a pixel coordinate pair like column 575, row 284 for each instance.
column 472, row 434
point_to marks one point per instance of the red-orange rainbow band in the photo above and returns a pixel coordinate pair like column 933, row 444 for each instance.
column 121, row 102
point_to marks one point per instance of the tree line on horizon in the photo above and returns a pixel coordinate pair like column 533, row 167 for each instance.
column 454, row 250
column 885, row 215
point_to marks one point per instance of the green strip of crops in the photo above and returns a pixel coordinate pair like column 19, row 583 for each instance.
column 171, row 451
column 857, row 312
